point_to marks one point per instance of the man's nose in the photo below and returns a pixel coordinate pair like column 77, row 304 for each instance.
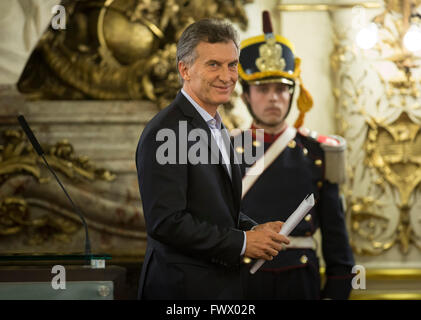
column 274, row 96
column 225, row 75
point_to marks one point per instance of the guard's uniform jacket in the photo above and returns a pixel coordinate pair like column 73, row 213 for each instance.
column 298, row 171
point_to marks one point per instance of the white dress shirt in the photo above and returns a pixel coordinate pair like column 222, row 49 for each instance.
column 214, row 124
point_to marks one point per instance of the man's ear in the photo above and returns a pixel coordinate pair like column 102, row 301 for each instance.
column 184, row 70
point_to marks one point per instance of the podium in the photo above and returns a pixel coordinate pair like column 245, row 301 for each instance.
column 60, row 277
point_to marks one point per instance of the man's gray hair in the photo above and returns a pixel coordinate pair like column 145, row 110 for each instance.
column 205, row 30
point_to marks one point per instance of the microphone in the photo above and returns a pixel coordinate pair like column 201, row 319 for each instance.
column 40, row 152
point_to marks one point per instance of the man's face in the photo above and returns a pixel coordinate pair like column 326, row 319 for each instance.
column 269, row 102
column 211, row 78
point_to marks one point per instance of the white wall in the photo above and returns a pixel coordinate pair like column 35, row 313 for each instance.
column 312, row 37
column 22, row 22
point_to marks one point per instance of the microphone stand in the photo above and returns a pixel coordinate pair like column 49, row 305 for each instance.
column 40, row 152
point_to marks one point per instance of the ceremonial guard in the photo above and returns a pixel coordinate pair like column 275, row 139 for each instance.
column 301, row 162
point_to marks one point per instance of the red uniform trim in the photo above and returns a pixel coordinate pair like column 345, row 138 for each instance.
column 267, row 136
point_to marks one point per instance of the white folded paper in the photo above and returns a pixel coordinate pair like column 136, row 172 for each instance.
column 290, row 224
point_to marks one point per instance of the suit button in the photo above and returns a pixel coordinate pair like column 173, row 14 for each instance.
column 308, row 217
column 292, row 144
column 239, row 149
column 318, row 162
column 256, row 143
column 319, row 184
column 246, row 260
column 305, row 151
column 303, row 259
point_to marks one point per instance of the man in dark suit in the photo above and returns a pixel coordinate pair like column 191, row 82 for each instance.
column 197, row 235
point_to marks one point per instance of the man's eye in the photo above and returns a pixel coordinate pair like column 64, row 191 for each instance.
column 281, row 89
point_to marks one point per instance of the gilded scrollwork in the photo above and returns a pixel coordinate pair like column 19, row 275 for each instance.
column 15, row 218
column 377, row 96
column 19, row 160
column 17, row 156
column 118, row 49
column 394, row 150
column 368, row 225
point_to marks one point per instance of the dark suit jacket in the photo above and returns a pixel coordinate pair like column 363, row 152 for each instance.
column 192, row 215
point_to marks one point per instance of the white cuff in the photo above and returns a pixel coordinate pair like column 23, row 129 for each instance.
column 243, row 250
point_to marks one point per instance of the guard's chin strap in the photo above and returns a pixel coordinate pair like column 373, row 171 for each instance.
column 304, row 104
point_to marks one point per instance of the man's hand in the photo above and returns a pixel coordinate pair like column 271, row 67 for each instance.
column 274, row 226
column 264, row 241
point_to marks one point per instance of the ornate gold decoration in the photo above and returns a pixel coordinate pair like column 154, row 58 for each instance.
column 15, row 218
column 62, row 157
column 270, row 58
column 17, row 156
column 368, row 225
column 392, row 150
column 395, row 151
column 118, row 49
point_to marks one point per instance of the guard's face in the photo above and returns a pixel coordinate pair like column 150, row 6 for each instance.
column 211, row 78
column 269, row 102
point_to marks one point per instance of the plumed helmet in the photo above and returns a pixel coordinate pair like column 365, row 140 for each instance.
column 270, row 58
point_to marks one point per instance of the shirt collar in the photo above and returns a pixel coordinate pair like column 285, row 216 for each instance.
column 213, row 122
column 267, row 137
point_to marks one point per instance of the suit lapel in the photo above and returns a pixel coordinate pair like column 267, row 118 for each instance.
column 236, row 176
column 216, row 156
column 206, row 134
column 198, row 122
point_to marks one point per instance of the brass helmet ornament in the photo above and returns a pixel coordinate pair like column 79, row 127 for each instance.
column 270, row 58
